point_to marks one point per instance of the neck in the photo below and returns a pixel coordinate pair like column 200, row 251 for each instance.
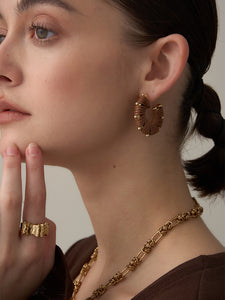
column 129, row 200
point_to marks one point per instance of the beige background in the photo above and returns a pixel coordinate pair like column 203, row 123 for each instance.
column 64, row 204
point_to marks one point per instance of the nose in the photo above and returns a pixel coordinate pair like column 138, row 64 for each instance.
column 10, row 71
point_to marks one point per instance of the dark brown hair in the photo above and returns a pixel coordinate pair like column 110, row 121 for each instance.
column 197, row 21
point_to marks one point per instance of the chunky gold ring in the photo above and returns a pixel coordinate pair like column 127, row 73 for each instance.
column 38, row 230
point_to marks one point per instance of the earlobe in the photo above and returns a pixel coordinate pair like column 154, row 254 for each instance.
column 169, row 56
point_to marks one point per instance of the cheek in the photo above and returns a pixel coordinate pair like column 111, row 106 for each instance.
column 78, row 102
column 91, row 74
column 87, row 86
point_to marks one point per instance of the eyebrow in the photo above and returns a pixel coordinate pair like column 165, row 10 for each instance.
column 24, row 5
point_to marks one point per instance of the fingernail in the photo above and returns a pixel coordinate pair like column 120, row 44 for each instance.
column 33, row 149
column 12, row 151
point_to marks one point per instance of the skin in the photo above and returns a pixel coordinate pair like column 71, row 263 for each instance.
column 80, row 88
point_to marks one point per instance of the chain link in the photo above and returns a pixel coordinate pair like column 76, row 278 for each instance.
column 137, row 260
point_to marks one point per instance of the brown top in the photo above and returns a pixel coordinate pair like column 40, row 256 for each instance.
column 201, row 278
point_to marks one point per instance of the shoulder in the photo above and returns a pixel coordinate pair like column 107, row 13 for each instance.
column 80, row 253
column 200, row 278
column 212, row 276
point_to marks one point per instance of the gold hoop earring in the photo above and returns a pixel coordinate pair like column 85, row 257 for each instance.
column 145, row 126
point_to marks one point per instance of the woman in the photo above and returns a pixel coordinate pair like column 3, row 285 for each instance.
column 116, row 80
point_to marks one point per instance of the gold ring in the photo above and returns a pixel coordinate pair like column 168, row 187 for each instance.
column 38, row 230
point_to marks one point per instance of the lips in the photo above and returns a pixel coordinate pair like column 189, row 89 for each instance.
column 6, row 106
column 11, row 113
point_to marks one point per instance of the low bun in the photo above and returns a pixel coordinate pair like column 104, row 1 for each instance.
column 209, row 121
column 219, row 140
column 207, row 173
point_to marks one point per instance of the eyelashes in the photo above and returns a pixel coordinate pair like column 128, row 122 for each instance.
column 41, row 34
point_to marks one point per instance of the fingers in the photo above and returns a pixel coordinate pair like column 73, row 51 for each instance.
column 10, row 194
column 23, row 257
column 35, row 191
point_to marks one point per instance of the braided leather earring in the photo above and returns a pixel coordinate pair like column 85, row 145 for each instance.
column 145, row 126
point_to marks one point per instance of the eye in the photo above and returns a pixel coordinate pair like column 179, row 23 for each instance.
column 41, row 32
column 2, row 37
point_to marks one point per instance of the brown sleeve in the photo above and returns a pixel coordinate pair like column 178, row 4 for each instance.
column 58, row 284
column 79, row 254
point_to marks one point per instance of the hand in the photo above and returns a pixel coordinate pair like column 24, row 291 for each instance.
column 25, row 261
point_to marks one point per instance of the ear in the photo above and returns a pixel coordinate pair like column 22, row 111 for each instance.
column 168, row 57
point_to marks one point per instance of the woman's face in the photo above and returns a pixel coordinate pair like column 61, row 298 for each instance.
column 67, row 65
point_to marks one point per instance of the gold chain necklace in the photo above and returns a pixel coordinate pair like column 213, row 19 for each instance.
column 137, row 260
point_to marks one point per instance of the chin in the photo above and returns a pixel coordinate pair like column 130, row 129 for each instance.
column 22, row 145
column 52, row 155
